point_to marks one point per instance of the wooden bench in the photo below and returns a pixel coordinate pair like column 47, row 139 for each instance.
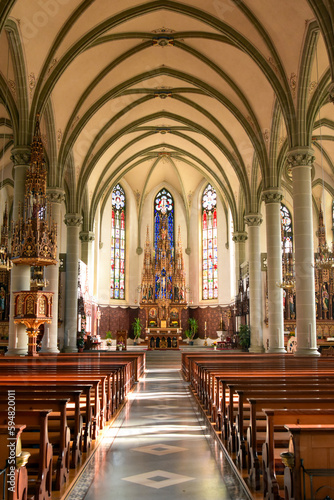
column 257, row 430
column 14, row 476
column 40, row 462
column 58, row 433
column 312, row 448
column 86, row 403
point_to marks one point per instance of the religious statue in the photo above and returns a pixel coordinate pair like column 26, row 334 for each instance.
column 324, row 299
column 292, row 307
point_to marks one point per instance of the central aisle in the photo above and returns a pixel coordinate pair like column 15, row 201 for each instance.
column 159, row 446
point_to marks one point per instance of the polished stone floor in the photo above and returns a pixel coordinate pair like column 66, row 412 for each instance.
column 159, row 446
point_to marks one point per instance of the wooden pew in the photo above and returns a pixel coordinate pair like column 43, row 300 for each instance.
column 271, row 453
column 58, row 433
column 210, row 380
column 85, row 405
column 40, row 462
column 257, row 432
column 73, row 417
column 237, row 424
column 14, row 477
column 312, row 447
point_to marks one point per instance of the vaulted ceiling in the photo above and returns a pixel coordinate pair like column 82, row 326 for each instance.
column 168, row 91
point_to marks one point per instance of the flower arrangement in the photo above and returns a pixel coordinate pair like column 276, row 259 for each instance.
column 120, row 346
column 108, row 338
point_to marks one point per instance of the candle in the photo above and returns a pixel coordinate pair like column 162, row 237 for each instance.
column 16, row 337
column 47, row 337
column 205, row 325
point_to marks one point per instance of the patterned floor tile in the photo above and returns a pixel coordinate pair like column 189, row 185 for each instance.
column 159, row 449
column 158, row 479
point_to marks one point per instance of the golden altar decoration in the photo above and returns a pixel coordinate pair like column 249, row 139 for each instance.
column 34, row 244
column 163, row 289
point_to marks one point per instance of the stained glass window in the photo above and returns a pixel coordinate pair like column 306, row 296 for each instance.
column 209, row 244
column 117, row 282
column 164, row 203
column 286, row 230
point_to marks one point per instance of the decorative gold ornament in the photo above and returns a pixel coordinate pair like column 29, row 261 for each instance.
column 34, row 240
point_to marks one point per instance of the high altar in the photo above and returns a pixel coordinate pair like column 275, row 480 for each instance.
column 163, row 287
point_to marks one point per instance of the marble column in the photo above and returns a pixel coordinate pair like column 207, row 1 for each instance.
column 301, row 160
column 73, row 223
column 86, row 237
column 20, row 275
column 56, row 196
column 253, row 220
column 272, row 198
column 239, row 238
column 87, row 255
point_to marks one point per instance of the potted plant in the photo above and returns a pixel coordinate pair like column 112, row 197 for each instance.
column 137, row 326
column 193, row 330
column 244, row 337
column 108, row 338
column 80, row 342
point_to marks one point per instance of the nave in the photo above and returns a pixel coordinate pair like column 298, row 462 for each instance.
column 159, row 446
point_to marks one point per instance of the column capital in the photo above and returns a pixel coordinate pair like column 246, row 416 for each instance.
column 73, row 220
column 55, row 195
column 300, row 156
column 272, row 195
column 253, row 219
column 21, row 155
column 331, row 92
column 87, row 236
column 239, row 236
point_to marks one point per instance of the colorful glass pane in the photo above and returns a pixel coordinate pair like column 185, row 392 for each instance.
column 286, row 229
column 209, row 244
column 118, row 203
column 164, row 203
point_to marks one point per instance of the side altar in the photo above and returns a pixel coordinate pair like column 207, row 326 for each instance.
column 163, row 291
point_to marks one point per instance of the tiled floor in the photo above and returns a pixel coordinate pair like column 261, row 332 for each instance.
column 159, row 447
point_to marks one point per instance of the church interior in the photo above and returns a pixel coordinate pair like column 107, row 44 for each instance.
column 167, row 193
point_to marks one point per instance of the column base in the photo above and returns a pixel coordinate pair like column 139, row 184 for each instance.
column 49, row 350
column 16, row 351
column 70, row 349
column 256, row 349
column 306, row 351
column 276, row 350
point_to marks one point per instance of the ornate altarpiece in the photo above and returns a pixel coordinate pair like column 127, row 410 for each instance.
column 163, row 291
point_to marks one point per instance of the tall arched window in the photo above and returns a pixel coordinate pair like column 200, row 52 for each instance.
column 163, row 202
column 209, row 244
column 286, row 230
column 118, row 205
